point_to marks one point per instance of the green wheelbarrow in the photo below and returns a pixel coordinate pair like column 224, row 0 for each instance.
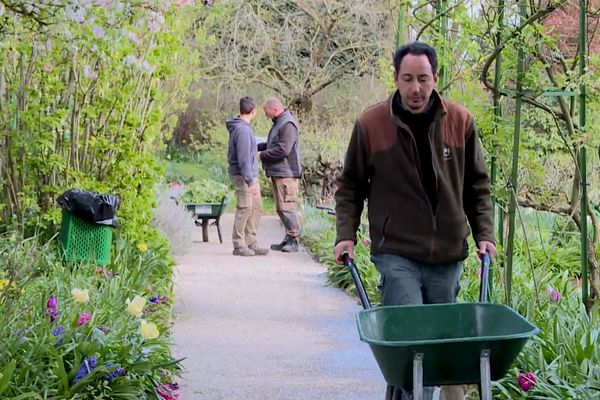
column 203, row 213
column 441, row 344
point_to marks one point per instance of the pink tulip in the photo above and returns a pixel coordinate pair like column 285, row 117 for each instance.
column 165, row 394
column 84, row 318
column 527, row 381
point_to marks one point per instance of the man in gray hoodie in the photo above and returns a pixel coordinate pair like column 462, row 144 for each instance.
column 243, row 172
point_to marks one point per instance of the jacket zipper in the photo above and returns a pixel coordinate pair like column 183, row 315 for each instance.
column 433, row 215
column 431, row 212
column 437, row 191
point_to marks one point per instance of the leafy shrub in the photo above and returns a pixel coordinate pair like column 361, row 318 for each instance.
column 204, row 191
column 95, row 102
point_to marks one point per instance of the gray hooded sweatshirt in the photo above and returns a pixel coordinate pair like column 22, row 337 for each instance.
column 242, row 150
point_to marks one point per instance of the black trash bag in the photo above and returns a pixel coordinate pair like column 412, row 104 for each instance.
column 92, row 207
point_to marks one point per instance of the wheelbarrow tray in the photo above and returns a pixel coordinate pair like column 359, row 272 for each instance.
column 451, row 338
column 207, row 210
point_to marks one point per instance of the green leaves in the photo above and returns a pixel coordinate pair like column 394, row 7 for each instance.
column 46, row 359
column 6, row 375
column 204, row 191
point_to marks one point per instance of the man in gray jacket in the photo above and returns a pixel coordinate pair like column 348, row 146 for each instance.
column 243, row 172
column 281, row 159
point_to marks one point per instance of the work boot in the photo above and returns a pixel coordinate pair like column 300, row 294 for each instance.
column 243, row 251
column 291, row 246
column 279, row 246
column 258, row 251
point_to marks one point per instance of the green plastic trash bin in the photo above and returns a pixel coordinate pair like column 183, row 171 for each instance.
column 83, row 241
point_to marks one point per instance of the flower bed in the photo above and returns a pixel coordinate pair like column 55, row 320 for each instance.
column 84, row 331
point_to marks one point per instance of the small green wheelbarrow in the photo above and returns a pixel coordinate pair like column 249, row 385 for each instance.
column 203, row 213
column 441, row 344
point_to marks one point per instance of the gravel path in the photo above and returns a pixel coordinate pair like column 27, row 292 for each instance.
column 266, row 328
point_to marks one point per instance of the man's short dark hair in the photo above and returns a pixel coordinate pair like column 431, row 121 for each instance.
column 416, row 49
column 247, row 105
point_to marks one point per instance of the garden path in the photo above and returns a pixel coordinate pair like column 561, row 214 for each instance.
column 266, row 328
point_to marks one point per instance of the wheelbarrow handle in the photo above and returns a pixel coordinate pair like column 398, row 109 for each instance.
column 485, row 278
column 362, row 293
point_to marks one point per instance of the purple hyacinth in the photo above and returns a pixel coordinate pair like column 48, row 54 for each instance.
column 553, row 293
column 119, row 371
column 87, row 365
column 155, row 299
column 52, row 302
column 52, row 308
column 59, row 331
column 52, row 313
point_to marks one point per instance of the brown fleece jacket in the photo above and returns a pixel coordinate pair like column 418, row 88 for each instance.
column 382, row 166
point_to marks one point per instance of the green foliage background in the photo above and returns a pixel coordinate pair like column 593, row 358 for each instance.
column 86, row 100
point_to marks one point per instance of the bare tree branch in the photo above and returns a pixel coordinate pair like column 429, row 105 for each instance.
column 300, row 47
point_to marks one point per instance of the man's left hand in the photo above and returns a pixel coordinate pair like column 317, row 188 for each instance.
column 486, row 247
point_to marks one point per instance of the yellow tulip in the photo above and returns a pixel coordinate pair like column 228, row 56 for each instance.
column 135, row 307
column 148, row 330
column 80, row 295
column 143, row 247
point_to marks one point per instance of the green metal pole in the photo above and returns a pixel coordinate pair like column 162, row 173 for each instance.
column 582, row 151
column 515, row 163
column 584, row 228
column 443, row 39
column 498, row 212
column 400, row 26
column 497, row 118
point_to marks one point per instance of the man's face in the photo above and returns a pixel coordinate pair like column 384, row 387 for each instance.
column 415, row 82
column 269, row 112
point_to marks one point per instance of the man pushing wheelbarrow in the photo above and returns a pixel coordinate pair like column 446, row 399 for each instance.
column 417, row 161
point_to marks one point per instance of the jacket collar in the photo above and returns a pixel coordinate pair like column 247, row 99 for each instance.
column 438, row 103
column 277, row 118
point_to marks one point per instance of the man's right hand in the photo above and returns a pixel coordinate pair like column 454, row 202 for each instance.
column 343, row 246
column 255, row 188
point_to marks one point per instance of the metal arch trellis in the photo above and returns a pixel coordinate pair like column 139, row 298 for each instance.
column 441, row 7
column 582, row 159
